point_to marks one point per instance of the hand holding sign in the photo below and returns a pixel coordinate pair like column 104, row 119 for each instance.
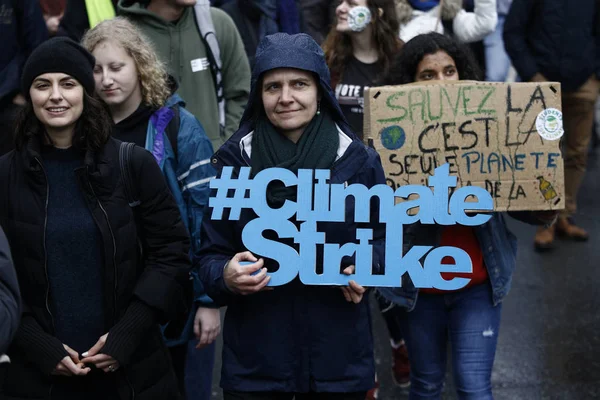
column 354, row 292
column 245, row 278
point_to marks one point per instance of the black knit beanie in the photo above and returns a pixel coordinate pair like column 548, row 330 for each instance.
column 60, row 54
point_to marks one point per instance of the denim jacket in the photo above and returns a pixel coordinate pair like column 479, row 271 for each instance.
column 188, row 176
column 497, row 242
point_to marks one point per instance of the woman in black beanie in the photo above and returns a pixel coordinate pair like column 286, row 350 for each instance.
column 93, row 293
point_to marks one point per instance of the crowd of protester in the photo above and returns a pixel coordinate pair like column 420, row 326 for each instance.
column 111, row 277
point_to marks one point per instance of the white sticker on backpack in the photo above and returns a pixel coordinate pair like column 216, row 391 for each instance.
column 549, row 124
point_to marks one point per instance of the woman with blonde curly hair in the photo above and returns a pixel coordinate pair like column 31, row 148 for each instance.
column 133, row 83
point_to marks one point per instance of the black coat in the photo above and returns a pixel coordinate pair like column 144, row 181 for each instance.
column 558, row 38
column 158, row 285
column 10, row 299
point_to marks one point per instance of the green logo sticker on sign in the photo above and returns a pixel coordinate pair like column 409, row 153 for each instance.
column 549, row 124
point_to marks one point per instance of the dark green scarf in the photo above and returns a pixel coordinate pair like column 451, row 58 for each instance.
column 316, row 149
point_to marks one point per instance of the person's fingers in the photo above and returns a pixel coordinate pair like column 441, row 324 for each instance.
column 250, row 282
column 238, row 276
column 72, row 353
column 346, row 293
column 357, row 288
column 108, row 369
column 253, row 269
column 245, row 256
column 197, row 332
column 197, row 325
column 349, row 270
column 215, row 333
column 204, row 338
column 211, row 337
column 356, row 292
column 256, row 287
column 61, row 370
column 249, row 269
column 98, row 358
column 200, row 346
column 260, row 278
column 104, row 364
column 107, row 363
column 356, row 297
column 74, row 369
column 96, row 348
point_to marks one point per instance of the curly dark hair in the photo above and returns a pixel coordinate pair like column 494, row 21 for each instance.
column 338, row 45
column 403, row 68
column 92, row 129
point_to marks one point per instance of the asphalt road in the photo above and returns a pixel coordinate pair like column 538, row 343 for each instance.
column 549, row 343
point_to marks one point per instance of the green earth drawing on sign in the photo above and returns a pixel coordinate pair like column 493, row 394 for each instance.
column 393, row 137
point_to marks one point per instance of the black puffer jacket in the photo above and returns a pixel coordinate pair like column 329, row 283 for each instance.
column 153, row 291
column 10, row 299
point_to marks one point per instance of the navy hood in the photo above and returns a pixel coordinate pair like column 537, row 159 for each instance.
column 300, row 51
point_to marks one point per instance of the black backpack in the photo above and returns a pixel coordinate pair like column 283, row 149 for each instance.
column 126, row 149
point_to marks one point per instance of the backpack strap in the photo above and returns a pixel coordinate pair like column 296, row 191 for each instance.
column 172, row 130
column 207, row 33
column 125, row 152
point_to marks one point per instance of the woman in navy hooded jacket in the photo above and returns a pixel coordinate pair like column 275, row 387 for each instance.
column 291, row 340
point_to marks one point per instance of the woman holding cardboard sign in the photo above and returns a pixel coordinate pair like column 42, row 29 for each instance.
column 470, row 317
column 312, row 342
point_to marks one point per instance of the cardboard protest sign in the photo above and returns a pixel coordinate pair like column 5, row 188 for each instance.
column 501, row 137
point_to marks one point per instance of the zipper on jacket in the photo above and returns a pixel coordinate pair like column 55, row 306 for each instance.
column 242, row 151
column 45, row 250
column 112, row 235
column 130, row 385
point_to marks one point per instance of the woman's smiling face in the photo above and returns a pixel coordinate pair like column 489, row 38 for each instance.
column 57, row 100
column 290, row 98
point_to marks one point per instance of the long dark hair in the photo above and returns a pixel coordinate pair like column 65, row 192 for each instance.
column 92, row 129
column 338, row 45
column 404, row 66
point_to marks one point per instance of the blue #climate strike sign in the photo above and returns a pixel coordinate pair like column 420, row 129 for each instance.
column 319, row 201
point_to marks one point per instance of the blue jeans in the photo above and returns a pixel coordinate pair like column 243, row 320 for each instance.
column 497, row 62
column 199, row 371
column 469, row 320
